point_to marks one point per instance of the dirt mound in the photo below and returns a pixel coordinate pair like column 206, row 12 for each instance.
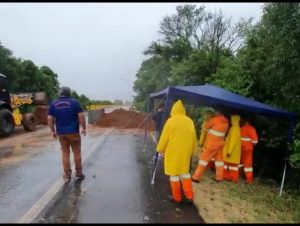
column 124, row 119
column 41, row 113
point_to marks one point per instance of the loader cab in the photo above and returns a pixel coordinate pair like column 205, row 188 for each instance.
column 4, row 94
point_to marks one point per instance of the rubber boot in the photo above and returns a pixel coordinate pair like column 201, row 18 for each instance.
column 219, row 173
column 249, row 177
column 187, row 188
column 176, row 191
column 198, row 173
column 226, row 173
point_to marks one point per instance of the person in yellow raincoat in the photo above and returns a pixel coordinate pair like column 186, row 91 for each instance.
column 177, row 143
column 232, row 150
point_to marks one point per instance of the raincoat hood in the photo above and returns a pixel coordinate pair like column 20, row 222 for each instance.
column 178, row 109
column 235, row 120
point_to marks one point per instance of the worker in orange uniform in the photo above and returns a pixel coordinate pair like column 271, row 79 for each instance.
column 249, row 139
column 232, row 150
column 177, row 143
column 216, row 128
column 207, row 115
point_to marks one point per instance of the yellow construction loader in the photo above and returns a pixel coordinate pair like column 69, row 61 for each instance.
column 10, row 115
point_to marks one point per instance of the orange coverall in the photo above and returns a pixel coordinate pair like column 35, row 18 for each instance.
column 216, row 128
column 249, row 139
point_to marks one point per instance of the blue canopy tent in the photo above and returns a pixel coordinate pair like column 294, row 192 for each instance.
column 213, row 96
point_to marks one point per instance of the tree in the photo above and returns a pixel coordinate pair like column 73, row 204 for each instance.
column 192, row 70
column 82, row 99
column 190, row 51
column 118, row 102
column 231, row 76
column 153, row 75
column 52, row 81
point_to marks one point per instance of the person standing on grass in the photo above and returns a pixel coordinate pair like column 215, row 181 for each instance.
column 232, row 150
column 249, row 139
column 178, row 142
column 216, row 128
column 64, row 117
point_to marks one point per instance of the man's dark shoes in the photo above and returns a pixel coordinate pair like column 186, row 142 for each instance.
column 80, row 177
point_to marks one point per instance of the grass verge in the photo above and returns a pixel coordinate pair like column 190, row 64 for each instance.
column 259, row 202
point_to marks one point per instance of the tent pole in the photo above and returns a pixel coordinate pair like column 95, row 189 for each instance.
column 282, row 181
column 290, row 139
column 165, row 113
column 147, row 121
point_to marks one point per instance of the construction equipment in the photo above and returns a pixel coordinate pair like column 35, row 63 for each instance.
column 10, row 115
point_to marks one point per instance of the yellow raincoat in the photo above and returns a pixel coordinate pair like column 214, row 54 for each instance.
column 233, row 142
column 178, row 141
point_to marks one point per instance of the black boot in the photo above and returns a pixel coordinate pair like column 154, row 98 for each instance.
column 189, row 201
column 171, row 199
column 80, row 177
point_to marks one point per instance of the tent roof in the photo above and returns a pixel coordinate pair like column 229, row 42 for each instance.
column 209, row 95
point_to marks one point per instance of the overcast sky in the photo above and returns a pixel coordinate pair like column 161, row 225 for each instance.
column 95, row 48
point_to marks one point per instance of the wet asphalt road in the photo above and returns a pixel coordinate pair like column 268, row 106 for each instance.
column 30, row 163
column 117, row 188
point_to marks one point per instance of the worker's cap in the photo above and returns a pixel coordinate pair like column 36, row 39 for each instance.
column 64, row 91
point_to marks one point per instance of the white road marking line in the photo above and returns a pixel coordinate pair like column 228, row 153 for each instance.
column 40, row 205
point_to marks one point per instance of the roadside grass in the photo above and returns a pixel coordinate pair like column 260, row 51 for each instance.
column 259, row 202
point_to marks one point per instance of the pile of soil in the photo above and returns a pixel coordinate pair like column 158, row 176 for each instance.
column 41, row 113
column 124, row 119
